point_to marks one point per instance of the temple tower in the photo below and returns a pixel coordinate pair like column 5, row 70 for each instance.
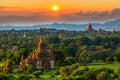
column 41, row 46
column 24, row 35
column 113, row 30
column 40, row 59
column 89, row 28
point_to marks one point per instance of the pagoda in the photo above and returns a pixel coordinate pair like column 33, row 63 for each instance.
column 89, row 28
column 40, row 59
column 113, row 30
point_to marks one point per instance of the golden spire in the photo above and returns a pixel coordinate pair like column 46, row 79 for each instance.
column 41, row 40
column 41, row 45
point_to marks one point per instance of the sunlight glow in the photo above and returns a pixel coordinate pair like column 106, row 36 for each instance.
column 55, row 8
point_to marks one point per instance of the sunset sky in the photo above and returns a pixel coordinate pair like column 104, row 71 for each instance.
column 41, row 11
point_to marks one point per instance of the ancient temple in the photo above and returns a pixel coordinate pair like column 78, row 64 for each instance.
column 113, row 30
column 24, row 35
column 40, row 59
column 89, row 28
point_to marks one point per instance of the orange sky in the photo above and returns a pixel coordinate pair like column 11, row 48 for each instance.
column 65, row 5
column 71, row 11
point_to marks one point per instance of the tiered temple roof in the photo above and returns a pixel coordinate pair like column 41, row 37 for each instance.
column 40, row 59
column 89, row 28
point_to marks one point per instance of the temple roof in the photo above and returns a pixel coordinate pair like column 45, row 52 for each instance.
column 41, row 46
column 89, row 28
column 113, row 30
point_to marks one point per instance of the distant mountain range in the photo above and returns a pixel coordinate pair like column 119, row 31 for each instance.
column 105, row 26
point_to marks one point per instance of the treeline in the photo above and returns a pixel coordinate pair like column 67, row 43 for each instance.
column 69, row 48
column 85, row 47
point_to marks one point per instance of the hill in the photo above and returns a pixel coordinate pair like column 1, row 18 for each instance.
column 64, row 26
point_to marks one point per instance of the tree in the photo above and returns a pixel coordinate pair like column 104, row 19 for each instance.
column 83, row 57
column 53, row 40
column 80, row 78
column 64, row 71
column 84, row 41
column 23, row 51
column 3, row 77
column 29, row 68
column 69, row 60
column 102, row 76
column 24, row 77
column 9, row 54
column 37, row 73
column 8, row 67
column 115, row 58
column 1, row 54
column 79, row 71
column 108, row 59
column 59, row 57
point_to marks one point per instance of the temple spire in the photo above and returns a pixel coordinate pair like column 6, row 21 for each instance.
column 41, row 46
column 113, row 30
column 89, row 28
column 40, row 58
column 41, row 40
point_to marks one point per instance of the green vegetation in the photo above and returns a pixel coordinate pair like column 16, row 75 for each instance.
column 79, row 55
column 113, row 66
column 75, row 71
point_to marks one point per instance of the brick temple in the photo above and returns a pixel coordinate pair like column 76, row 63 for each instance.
column 89, row 28
column 40, row 59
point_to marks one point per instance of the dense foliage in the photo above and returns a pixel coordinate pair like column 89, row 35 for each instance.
column 68, row 47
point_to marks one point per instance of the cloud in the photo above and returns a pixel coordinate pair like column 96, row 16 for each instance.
column 25, row 19
column 115, row 13
column 94, row 16
column 42, row 17
column 3, row 7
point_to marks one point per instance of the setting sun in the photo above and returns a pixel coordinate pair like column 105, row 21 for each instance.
column 55, row 8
